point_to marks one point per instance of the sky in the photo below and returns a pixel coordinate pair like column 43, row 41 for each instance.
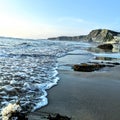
column 50, row 18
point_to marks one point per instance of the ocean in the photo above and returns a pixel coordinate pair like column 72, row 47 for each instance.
column 29, row 67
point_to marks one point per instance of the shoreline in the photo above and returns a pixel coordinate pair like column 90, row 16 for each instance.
column 84, row 96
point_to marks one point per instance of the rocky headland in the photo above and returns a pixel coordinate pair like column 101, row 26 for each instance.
column 98, row 35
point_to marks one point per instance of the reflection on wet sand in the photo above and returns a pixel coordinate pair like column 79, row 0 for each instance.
column 116, row 49
column 106, row 58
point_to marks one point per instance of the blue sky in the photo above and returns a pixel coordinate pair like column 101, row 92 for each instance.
column 50, row 18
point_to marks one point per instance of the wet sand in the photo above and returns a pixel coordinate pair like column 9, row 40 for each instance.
column 84, row 96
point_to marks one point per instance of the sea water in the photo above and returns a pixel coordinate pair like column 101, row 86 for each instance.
column 29, row 67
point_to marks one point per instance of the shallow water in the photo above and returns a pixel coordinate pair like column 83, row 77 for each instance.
column 89, row 54
column 29, row 67
column 105, row 55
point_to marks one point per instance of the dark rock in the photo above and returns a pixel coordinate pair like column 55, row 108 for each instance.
column 116, row 63
column 93, row 66
column 58, row 117
column 88, row 67
column 18, row 116
column 106, row 46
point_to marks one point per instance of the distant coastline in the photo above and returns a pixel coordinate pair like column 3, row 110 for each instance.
column 3, row 37
column 98, row 35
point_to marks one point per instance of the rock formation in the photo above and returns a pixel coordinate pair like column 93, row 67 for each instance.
column 106, row 46
column 87, row 67
column 91, row 67
column 101, row 35
column 98, row 35
column 58, row 117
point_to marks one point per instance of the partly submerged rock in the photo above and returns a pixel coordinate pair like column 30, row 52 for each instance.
column 92, row 66
column 58, row 117
column 88, row 67
column 18, row 116
column 106, row 46
column 39, row 115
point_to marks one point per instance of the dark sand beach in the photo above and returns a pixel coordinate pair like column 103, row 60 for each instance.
column 84, row 96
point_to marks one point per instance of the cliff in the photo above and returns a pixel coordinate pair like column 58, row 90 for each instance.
column 98, row 35
column 101, row 35
column 82, row 37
